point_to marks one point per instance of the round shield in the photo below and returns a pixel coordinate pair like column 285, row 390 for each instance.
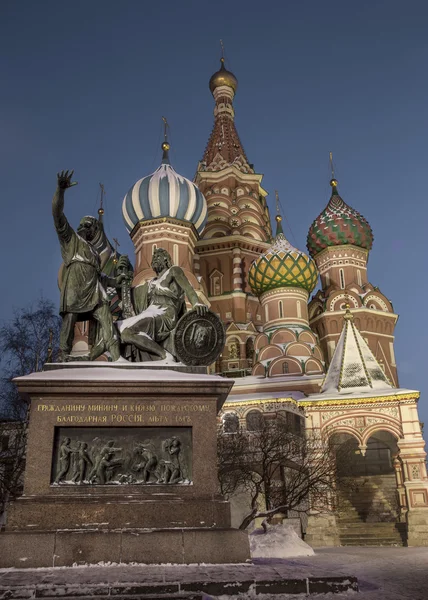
column 199, row 340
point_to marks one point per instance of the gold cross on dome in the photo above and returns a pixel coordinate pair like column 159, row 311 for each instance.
column 222, row 50
column 165, row 126
column 331, row 165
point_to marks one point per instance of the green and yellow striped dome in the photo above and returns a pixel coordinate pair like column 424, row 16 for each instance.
column 282, row 265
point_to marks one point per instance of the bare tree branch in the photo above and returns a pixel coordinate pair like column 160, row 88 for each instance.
column 284, row 471
column 24, row 347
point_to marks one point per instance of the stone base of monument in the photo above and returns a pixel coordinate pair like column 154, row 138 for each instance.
column 121, row 467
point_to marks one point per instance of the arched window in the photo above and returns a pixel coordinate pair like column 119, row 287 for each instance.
column 154, row 248
column 216, row 283
column 285, row 368
column 281, row 310
column 299, row 309
column 230, row 423
column 175, row 254
column 249, row 349
column 342, row 279
column 254, row 420
column 359, row 277
column 267, row 312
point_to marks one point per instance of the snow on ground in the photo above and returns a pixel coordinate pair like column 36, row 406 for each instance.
column 384, row 573
column 280, row 541
column 389, row 573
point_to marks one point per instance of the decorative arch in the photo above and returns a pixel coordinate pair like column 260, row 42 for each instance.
column 259, row 370
column 283, row 336
column 276, row 368
column 298, row 349
column 216, row 230
column 380, row 303
column 269, row 352
column 248, row 228
column 337, row 298
column 260, row 342
column 330, row 431
column 388, row 426
column 313, row 367
column 307, row 336
column 248, row 204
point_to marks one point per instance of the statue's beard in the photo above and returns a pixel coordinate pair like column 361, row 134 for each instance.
column 88, row 236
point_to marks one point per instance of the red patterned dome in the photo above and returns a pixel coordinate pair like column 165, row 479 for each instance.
column 337, row 225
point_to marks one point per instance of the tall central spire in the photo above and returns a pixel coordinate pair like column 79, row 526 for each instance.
column 224, row 147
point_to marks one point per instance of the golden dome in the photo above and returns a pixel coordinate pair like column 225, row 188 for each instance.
column 223, row 77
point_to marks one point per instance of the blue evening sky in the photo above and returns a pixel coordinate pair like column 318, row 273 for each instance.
column 84, row 84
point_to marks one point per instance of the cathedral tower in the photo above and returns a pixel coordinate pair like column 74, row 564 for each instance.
column 237, row 231
column 165, row 210
column 339, row 240
column 283, row 277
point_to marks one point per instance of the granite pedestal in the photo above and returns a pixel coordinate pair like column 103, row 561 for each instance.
column 69, row 519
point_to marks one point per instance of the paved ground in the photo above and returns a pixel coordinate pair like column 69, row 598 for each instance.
column 384, row 573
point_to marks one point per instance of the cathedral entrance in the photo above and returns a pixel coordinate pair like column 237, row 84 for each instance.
column 367, row 499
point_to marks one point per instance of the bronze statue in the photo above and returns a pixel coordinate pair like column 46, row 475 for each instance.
column 158, row 305
column 83, row 294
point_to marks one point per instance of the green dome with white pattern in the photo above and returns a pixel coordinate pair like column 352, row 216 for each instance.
column 282, row 265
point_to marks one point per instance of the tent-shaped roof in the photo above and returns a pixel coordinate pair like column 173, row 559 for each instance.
column 353, row 367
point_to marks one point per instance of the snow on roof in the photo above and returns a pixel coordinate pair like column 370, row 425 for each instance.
column 353, row 367
column 258, row 379
column 360, row 395
column 110, row 373
column 286, row 395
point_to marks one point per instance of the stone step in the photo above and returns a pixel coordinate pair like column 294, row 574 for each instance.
column 373, row 542
column 189, row 590
column 368, row 526
column 370, row 535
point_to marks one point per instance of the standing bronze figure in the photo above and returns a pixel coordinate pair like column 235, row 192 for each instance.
column 83, row 294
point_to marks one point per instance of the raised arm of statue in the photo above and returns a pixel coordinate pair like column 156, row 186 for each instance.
column 187, row 288
column 61, row 223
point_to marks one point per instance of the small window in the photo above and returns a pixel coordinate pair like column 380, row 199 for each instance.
column 299, row 310
column 249, row 349
column 285, row 368
column 175, row 254
column 281, row 310
column 342, row 279
column 327, row 279
column 254, row 420
column 359, row 277
column 266, row 313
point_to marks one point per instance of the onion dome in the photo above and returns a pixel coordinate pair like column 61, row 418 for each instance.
column 338, row 224
column 165, row 193
column 282, row 265
column 223, row 77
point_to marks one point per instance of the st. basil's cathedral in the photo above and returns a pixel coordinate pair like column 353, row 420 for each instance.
column 326, row 362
